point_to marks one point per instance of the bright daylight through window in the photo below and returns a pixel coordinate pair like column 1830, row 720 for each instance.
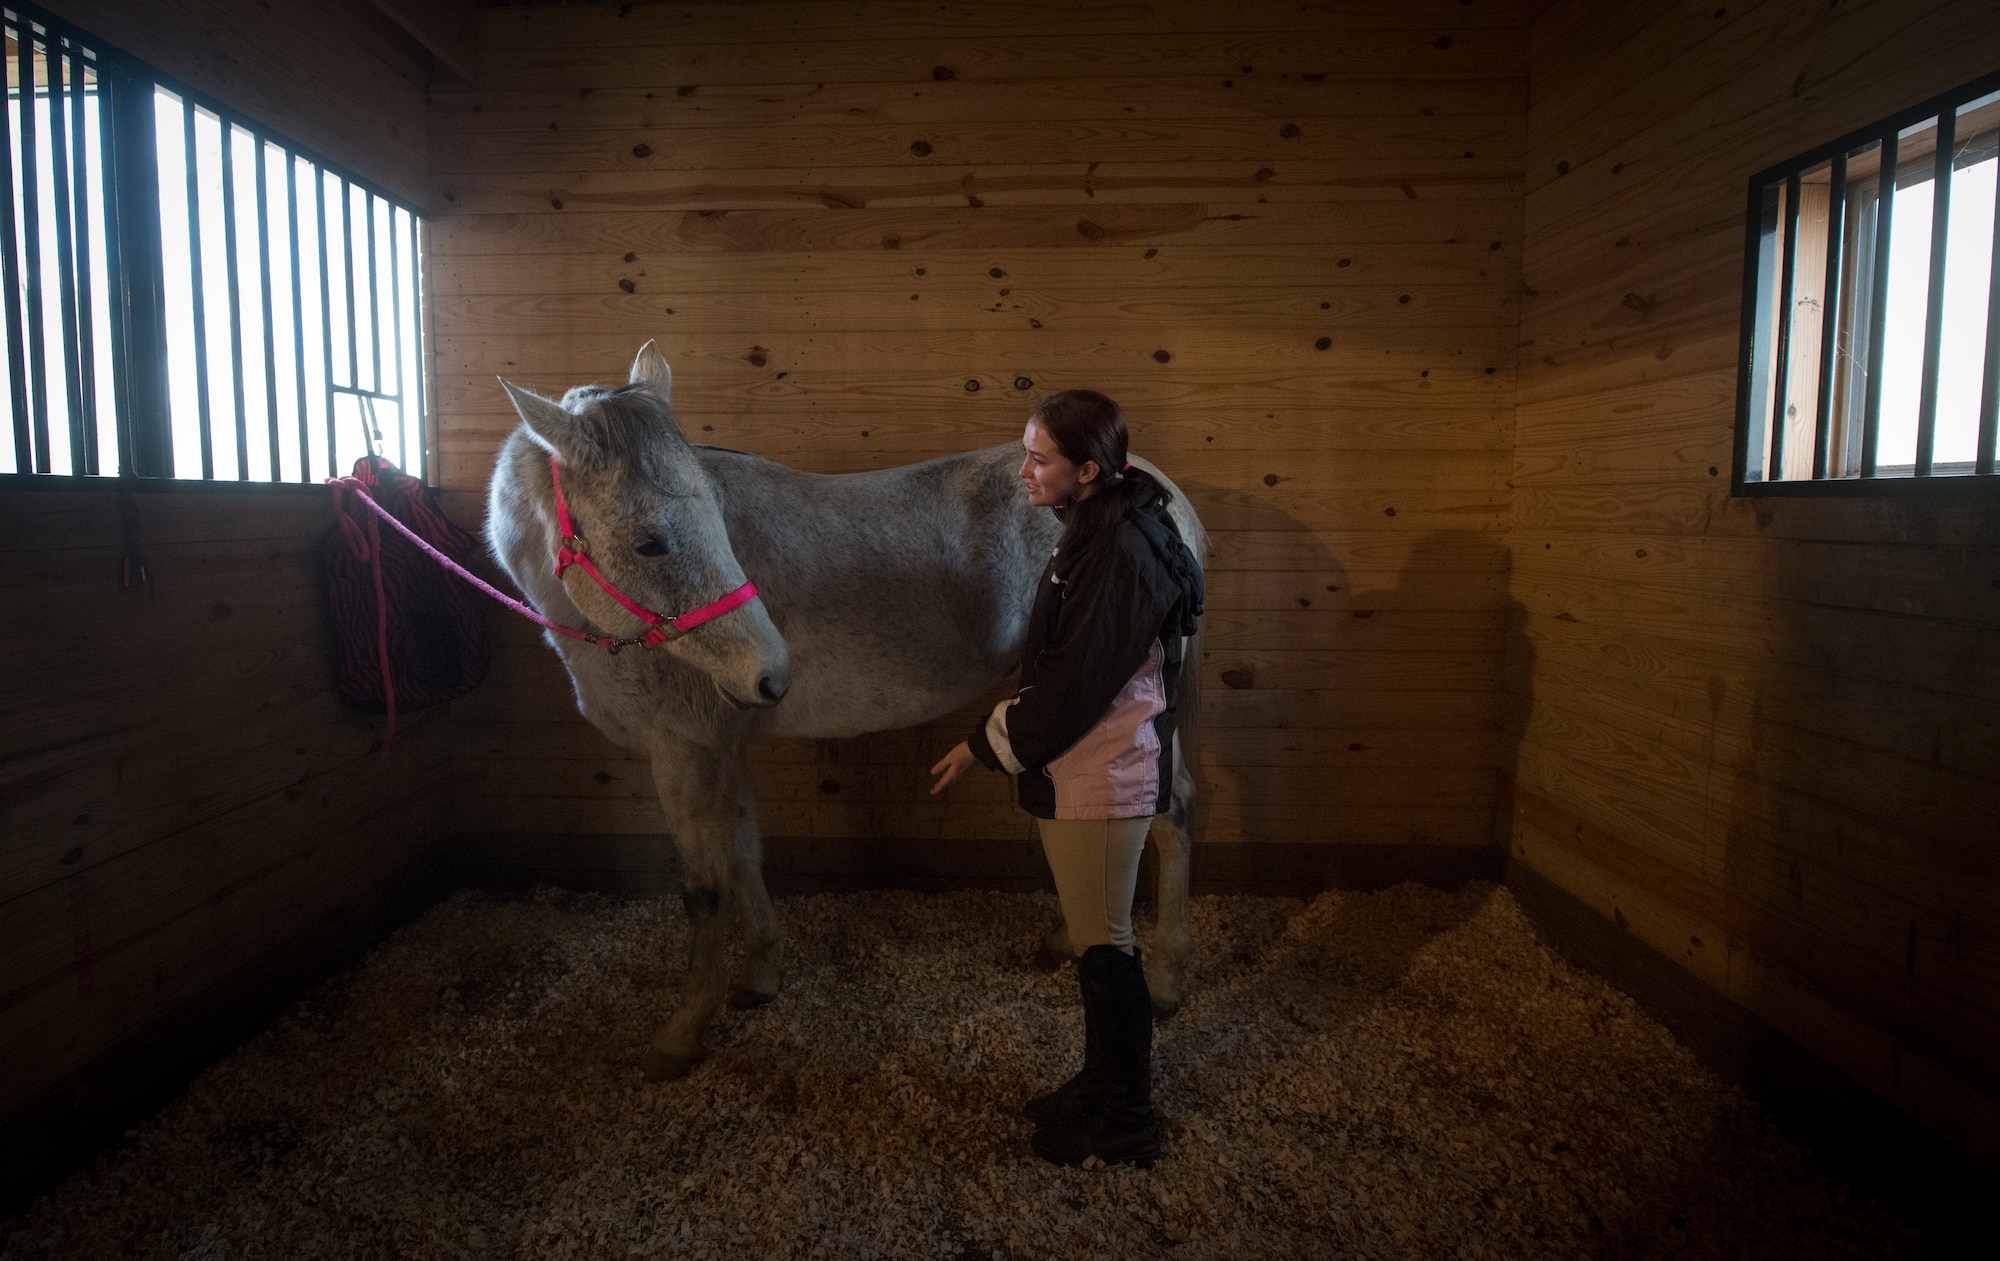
column 186, row 295
column 1871, row 350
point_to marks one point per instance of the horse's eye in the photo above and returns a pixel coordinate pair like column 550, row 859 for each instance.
column 651, row 546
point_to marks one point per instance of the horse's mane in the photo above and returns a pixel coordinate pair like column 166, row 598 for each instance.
column 627, row 423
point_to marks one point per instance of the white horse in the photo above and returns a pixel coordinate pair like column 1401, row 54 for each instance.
column 884, row 599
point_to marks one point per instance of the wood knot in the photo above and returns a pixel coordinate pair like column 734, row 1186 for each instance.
column 1238, row 679
column 922, row 148
column 1162, row 356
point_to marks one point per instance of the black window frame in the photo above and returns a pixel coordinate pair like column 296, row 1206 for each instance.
column 137, row 249
column 1756, row 339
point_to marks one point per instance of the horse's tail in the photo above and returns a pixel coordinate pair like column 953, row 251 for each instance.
column 1187, row 730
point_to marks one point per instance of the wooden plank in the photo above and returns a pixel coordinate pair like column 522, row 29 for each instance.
column 483, row 152
column 122, row 979
column 340, row 80
column 499, row 107
column 950, row 274
column 760, row 21
column 1904, row 652
column 1905, row 1074
column 817, row 229
column 1943, row 582
column 1828, row 918
column 1076, row 185
column 1693, row 704
column 702, row 359
column 58, row 520
column 1144, row 384
column 1396, row 52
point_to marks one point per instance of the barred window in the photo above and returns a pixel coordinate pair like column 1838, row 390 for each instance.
column 186, row 294
column 1870, row 352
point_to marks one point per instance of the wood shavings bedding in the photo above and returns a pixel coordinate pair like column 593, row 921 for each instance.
column 1400, row 1074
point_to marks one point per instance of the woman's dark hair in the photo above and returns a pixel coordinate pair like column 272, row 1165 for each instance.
column 1087, row 426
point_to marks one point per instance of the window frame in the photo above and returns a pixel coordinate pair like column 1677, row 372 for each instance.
column 1756, row 340
column 137, row 292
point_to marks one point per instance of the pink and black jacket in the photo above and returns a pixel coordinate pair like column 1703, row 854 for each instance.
column 1090, row 735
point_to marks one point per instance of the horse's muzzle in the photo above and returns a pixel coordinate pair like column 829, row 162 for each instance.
column 771, row 689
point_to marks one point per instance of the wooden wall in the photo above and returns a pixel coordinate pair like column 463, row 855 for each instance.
column 1286, row 237
column 1760, row 733
column 191, row 826
column 339, row 77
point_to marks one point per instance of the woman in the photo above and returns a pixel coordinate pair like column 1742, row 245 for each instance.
column 1089, row 739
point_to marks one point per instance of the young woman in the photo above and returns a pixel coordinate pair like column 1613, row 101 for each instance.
column 1089, row 739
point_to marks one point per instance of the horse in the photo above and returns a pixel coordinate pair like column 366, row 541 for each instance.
column 881, row 600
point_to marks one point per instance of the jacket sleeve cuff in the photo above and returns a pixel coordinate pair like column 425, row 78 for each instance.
column 982, row 749
column 994, row 736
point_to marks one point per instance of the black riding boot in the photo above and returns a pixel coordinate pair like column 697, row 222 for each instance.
column 1076, row 1096
column 1113, row 1117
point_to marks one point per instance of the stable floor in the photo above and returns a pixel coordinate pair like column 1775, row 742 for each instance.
column 1399, row 1074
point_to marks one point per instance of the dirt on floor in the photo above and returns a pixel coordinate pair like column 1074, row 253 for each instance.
column 1399, row 1074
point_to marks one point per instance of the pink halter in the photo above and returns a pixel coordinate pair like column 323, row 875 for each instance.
column 661, row 628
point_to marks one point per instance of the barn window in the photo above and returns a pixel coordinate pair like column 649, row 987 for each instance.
column 186, row 294
column 1871, row 325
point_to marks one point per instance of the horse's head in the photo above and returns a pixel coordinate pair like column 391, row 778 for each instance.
column 651, row 519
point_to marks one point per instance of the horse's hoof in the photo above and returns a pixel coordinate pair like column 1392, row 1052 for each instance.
column 743, row 998
column 1164, row 1007
column 1049, row 959
column 667, row 1066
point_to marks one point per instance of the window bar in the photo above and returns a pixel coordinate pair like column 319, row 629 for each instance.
column 230, row 278
column 264, row 276
column 396, row 331
column 52, row 58
column 347, row 256
column 374, row 295
column 417, row 377
column 325, row 317
column 200, row 301
column 1989, row 389
column 298, row 317
column 86, row 343
column 1878, row 303
column 1836, row 224
column 31, row 246
column 1781, row 366
column 10, row 279
column 1947, row 137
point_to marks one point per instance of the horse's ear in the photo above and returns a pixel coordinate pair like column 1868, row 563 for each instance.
column 650, row 369
column 549, row 424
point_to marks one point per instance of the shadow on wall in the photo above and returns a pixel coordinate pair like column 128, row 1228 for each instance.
column 1363, row 696
column 1858, row 857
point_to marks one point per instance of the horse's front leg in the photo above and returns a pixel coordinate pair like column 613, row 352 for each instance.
column 698, row 790
column 759, row 983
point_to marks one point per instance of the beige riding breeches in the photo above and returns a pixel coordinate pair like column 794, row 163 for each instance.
column 1096, row 865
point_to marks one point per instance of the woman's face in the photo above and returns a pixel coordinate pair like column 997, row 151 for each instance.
column 1050, row 477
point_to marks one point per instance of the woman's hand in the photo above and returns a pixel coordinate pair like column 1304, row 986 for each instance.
column 952, row 765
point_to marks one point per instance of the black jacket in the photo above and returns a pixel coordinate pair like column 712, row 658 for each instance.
column 1098, row 612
